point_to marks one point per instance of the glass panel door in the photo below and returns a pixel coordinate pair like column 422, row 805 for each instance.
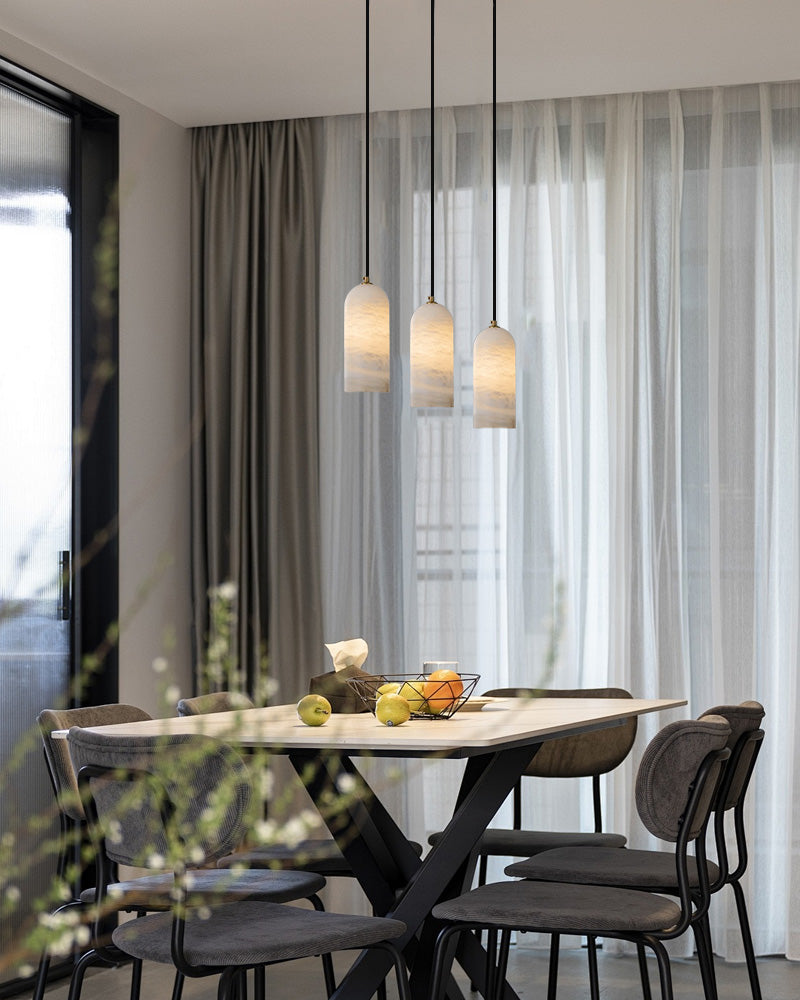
column 35, row 475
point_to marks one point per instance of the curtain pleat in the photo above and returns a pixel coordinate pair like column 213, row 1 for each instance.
column 255, row 457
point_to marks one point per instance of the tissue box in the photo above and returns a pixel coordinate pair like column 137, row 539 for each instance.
column 334, row 686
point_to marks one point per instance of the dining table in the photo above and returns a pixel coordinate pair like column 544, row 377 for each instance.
column 496, row 742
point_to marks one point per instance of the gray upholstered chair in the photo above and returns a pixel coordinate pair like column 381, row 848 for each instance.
column 675, row 791
column 146, row 893
column 186, row 799
column 586, row 755
column 654, row 871
column 216, row 701
column 320, row 855
column 71, row 816
column 745, row 743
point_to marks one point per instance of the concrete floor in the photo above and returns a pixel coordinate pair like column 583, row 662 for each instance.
column 619, row 980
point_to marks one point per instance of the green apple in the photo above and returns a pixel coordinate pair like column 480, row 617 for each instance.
column 314, row 710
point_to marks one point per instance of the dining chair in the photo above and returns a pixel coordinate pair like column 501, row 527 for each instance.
column 676, row 786
column 653, row 870
column 215, row 701
column 321, row 855
column 186, row 799
column 745, row 743
column 586, row 755
column 141, row 894
column 71, row 816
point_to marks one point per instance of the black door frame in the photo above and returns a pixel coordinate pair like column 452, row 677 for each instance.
column 93, row 592
column 94, row 597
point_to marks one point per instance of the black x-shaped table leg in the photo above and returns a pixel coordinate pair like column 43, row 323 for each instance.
column 394, row 879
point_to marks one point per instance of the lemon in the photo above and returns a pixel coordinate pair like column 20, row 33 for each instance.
column 414, row 694
column 392, row 710
column 391, row 687
column 314, row 710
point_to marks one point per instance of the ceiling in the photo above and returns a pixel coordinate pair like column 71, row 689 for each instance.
column 202, row 62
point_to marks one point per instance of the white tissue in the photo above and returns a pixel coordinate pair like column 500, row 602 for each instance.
column 348, row 653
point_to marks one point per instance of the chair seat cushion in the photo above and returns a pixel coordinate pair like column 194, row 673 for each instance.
column 322, row 856
column 524, row 843
column 153, row 892
column 607, row 866
column 245, row 934
column 558, row 907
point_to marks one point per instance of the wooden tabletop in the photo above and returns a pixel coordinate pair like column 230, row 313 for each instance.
column 503, row 724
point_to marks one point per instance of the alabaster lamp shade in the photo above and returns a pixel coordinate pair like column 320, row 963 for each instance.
column 494, row 374
column 366, row 339
column 432, row 356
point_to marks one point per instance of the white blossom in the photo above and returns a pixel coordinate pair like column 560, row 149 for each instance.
column 265, row 831
column 266, row 780
column 173, row 693
column 224, row 591
column 346, row 783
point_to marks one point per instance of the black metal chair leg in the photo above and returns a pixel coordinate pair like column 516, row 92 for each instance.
column 260, row 983
column 136, row 978
column 552, row 971
column 483, row 863
column 705, row 957
column 227, row 988
column 747, row 940
column 502, row 964
column 644, row 975
column 41, row 978
column 327, row 960
column 664, row 972
column 491, row 963
column 79, row 971
column 177, row 986
column 440, row 951
column 594, row 979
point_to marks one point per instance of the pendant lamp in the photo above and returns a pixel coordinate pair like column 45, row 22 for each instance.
column 494, row 363
column 366, row 308
column 432, row 324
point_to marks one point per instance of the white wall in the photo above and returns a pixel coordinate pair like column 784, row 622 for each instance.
column 154, row 380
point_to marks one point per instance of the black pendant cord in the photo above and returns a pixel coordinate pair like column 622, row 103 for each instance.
column 494, row 161
column 366, row 154
column 433, row 207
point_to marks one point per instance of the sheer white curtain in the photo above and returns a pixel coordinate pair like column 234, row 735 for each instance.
column 649, row 269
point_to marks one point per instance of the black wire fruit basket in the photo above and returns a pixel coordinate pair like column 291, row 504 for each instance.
column 427, row 699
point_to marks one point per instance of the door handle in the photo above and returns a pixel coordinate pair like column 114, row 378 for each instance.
column 63, row 607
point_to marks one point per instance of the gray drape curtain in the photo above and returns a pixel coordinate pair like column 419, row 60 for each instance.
column 255, row 484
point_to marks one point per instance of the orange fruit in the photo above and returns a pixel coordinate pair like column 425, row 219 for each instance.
column 442, row 688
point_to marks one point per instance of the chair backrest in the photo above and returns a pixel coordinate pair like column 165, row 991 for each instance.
column 744, row 743
column 56, row 752
column 672, row 774
column 586, row 755
column 138, row 785
column 218, row 701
